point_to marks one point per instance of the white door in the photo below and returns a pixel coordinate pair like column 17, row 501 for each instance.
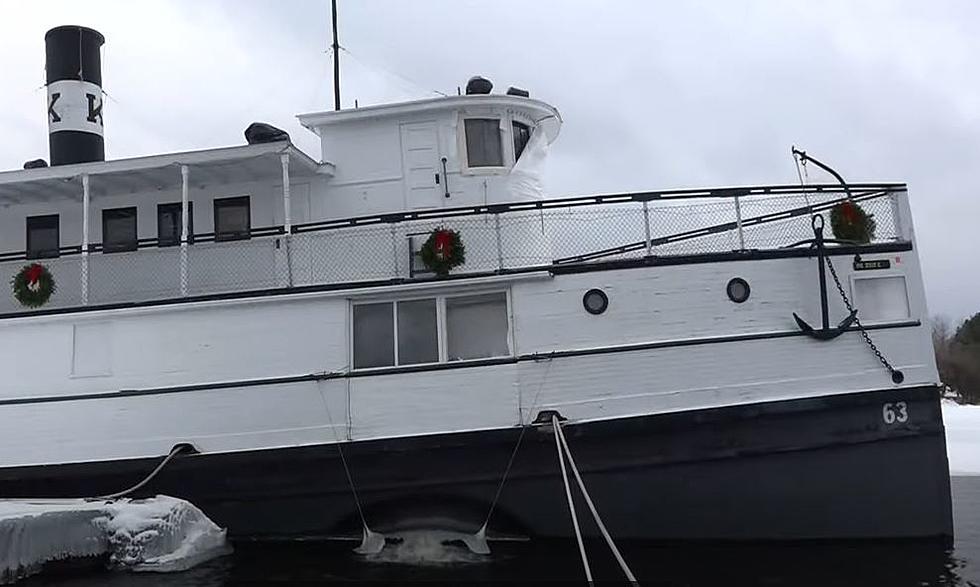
column 424, row 183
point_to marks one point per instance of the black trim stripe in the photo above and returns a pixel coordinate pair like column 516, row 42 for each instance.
column 653, row 261
column 437, row 366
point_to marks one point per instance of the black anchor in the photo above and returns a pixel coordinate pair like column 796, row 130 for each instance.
column 826, row 332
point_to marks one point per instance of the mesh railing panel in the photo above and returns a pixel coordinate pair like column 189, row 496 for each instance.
column 346, row 254
column 223, row 267
column 134, row 276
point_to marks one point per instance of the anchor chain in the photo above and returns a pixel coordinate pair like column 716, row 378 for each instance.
column 897, row 375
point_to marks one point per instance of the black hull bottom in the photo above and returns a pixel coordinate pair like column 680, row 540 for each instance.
column 820, row 468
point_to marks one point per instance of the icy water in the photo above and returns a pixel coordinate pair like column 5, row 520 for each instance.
column 426, row 558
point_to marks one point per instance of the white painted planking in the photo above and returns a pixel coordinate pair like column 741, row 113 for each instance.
column 179, row 345
column 677, row 302
column 222, row 420
column 719, row 374
column 439, row 401
column 272, row 337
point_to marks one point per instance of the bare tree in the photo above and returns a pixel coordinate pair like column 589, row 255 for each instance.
column 941, row 344
column 958, row 356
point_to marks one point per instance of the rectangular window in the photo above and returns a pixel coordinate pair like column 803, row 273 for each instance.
column 374, row 335
column 476, row 327
column 232, row 218
column 418, row 332
column 412, row 332
column 169, row 224
column 43, row 237
column 483, row 143
column 119, row 230
column 522, row 134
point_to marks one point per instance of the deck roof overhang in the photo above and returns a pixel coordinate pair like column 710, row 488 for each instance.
column 544, row 114
column 142, row 174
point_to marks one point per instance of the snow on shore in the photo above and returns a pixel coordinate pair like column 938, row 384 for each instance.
column 161, row 534
column 962, row 438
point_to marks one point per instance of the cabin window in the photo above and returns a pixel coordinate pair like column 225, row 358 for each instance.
column 232, row 218
column 431, row 330
column 43, row 237
column 483, row 142
column 395, row 333
column 374, row 335
column 418, row 332
column 169, row 224
column 476, row 327
column 522, row 134
column 119, row 229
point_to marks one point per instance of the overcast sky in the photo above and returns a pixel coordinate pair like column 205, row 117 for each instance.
column 654, row 94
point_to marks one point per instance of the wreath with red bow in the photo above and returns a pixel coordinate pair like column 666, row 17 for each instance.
column 443, row 251
column 33, row 285
column 850, row 222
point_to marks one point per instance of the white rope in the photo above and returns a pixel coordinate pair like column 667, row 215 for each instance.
column 592, row 508
column 517, row 446
column 371, row 541
column 176, row 450
column 571, row 505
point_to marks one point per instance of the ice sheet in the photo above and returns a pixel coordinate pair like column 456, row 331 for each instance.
column 162, row 534
column 962, row 438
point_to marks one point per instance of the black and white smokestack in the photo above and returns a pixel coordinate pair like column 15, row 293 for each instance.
column 74, row 80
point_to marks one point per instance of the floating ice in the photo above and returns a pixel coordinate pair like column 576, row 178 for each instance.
column 962, row 438
column 161, row 534
column 427, row 547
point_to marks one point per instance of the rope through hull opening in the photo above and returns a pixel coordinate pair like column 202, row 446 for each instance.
column 565, row 452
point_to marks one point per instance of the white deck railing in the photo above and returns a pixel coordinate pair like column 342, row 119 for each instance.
column 497, row 238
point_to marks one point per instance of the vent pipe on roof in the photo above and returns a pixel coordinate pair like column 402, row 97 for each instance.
column 74, row 80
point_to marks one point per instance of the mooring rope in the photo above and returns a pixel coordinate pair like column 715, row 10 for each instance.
column 571, row 504
column 176, row 450
column 343, row 460
column 517, row 446
column 592, row 508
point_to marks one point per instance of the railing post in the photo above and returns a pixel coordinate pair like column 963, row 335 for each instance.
column 898, row 210
column 287, row 220
column 86, row 199
column 738, row 223
column 394, row 250
column 184, row 236
column 646, row 227
column 500, row 247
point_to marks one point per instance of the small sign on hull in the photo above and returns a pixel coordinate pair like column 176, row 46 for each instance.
column 872, row 264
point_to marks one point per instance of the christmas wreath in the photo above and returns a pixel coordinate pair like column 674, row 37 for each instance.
column 443, row 251
column 850, row 222
column 33, row 285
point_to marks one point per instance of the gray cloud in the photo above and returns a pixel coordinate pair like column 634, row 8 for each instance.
column 654, row 95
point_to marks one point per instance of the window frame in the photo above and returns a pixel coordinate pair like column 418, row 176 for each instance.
column 468, row 169
column 514, row 124
column 168, row 206
column 229, row 202
column 128, row 245
column 29, row 253
column 441, row 327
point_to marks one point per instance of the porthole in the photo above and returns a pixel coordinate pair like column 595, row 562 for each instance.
column 595, row 301
column 738, row 290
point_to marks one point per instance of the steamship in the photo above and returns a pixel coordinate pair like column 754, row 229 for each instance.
column 274, row 318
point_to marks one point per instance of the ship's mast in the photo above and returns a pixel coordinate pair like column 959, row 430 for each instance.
column 336, row 58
